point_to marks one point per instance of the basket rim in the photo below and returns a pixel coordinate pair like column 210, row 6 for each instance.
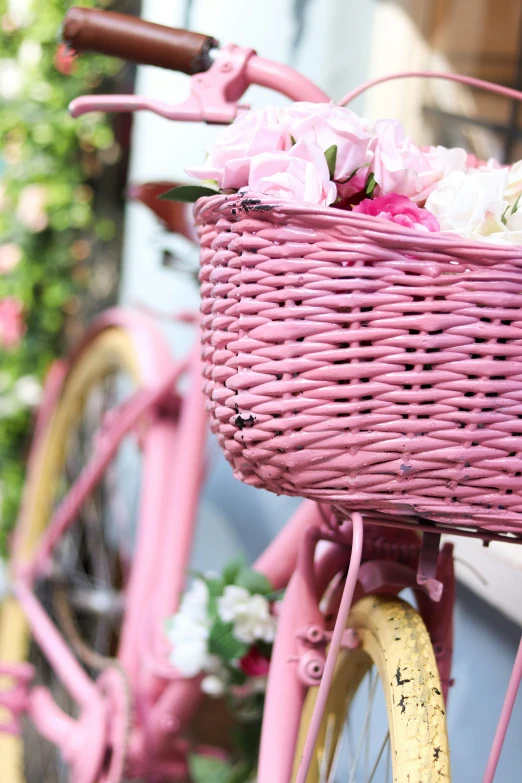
column 240, row 206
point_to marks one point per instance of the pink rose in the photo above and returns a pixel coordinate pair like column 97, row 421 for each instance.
column 12, row 326
column 400, row 210
column 251, row 134
column 329, row 125
column 301, row 174
column 399, row 166
column 254, row 664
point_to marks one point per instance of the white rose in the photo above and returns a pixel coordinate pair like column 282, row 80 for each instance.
column 514, row 186
column 447, row 160
column 469, row 203
column 250, row 614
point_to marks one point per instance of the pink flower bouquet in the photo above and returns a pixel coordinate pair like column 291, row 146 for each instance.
column 328, row 156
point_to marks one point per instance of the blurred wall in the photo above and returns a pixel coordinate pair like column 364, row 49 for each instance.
column 330, row 41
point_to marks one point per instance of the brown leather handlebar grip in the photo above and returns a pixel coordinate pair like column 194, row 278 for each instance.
column 120, row 35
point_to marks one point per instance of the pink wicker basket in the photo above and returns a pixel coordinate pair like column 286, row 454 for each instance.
column 353, row 361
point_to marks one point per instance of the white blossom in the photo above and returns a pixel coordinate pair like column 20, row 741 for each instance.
column 20, row 12
column 250, row 614
column 188, row 632
column 195, row 601
column 29, row 53
column 11, row 79
column 28, row 391
column 189, row 641
column 213, row 685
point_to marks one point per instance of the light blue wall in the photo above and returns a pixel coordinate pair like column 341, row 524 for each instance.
column 329, row 41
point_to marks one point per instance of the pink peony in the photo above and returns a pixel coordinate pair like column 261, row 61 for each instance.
column 400, row 210
column 329, row 125
column 250, row 135
column 254, row 664
column 399, row 166
column 301, row 174
column 12, row 326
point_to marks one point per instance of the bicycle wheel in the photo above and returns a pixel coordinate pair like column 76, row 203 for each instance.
column 393, row 731
column 91, row 563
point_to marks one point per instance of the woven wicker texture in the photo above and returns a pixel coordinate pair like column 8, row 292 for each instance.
column 350, row 360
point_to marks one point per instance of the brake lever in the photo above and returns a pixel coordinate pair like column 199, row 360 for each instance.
column 213, row 98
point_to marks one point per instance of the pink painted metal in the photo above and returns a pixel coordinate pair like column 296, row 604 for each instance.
column 214, row 94
column 14, row 698
column 507, row 709
column 335, row 646
column 470, row 81
column 375, row 368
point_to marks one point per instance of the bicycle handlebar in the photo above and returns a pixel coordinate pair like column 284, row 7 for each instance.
column 119, row 35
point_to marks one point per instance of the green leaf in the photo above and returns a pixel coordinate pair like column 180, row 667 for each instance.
column 223, row 643
column 293, row 141
column 515, row 205
column 331, row 158
column 232, row 569
column 207, row 769
column 215, row 590
column 370, row 184
column 253, row 581
column 187, row 193
column 503, row 216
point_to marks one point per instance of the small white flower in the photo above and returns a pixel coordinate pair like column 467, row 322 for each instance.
column 11, row 79
column 29, row 53
column 250, row 614
column 213, row 685
column 233, row 602
column 28, row 391
column 195, row 601
column 189, row 641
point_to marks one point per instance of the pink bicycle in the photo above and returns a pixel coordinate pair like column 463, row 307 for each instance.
column 100, row 553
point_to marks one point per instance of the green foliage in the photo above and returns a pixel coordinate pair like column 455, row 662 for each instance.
column 370, row 185
column 223, row 643
column 331, row 159
column 41, row 145
column 188, row 194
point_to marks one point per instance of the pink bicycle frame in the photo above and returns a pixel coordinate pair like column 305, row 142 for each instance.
column 175, row 436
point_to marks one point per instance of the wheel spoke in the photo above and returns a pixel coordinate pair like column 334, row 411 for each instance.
column 90, row 569
column 385, row 742
column 353, row 770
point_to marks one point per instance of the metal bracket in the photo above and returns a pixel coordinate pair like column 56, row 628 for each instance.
column 427, row 568
column 313, row 641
